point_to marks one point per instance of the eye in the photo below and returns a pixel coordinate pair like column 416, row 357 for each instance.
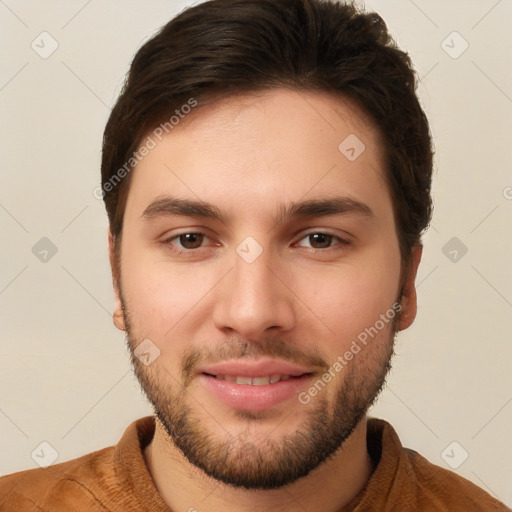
column 320, row 240
column 186, row 241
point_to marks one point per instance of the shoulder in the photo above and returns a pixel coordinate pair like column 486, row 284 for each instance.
column 448, row 490
column 79, row 481
column 410, row 481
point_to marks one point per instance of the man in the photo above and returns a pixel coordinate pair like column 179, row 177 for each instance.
column 266, row 173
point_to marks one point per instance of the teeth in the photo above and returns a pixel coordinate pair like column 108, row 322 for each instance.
column 254, row 381
column 260, row 381
column 243, row 380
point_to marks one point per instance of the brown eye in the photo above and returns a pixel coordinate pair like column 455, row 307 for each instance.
column 320, row 240
column 191, row 240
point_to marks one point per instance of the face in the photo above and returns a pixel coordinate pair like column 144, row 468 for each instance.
column 260, row 275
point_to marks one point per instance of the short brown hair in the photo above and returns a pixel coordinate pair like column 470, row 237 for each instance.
column 227, row 47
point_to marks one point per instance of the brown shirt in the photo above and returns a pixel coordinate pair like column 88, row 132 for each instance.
column 116, row 479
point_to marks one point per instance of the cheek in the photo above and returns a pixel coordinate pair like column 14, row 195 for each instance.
column 159, row 300
column 158, row 295
column 350, row 298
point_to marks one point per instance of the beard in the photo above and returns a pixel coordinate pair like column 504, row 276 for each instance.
column 246, row 459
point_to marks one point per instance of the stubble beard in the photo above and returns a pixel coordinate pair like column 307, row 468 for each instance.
column 240, row 460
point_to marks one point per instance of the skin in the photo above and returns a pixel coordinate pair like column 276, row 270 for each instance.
column 248, row 155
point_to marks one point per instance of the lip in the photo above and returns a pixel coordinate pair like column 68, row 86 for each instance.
column 254, row 398
column 249, row 397
column 255, row 368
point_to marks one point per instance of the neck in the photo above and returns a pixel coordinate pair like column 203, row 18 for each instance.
column 329, row 487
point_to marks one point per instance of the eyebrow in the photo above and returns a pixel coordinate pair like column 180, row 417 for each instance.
column 167, row 206
column 323, row 207
column 170, row 206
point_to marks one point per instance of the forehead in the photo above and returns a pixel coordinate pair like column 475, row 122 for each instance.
column 308, row 115
column 271, row 146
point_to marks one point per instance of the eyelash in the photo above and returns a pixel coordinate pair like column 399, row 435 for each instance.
column 168, row 242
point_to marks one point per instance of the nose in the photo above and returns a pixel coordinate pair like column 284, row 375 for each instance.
column 254, row 299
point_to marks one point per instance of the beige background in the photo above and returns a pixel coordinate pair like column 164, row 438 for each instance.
column 65, row 374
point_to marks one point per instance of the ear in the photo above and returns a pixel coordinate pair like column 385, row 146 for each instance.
column 409, row 299
column 118, row 315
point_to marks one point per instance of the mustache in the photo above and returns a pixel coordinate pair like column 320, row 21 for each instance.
column 236, row 348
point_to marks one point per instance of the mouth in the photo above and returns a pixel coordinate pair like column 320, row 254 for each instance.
column 254, row 385
column 255, row 381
